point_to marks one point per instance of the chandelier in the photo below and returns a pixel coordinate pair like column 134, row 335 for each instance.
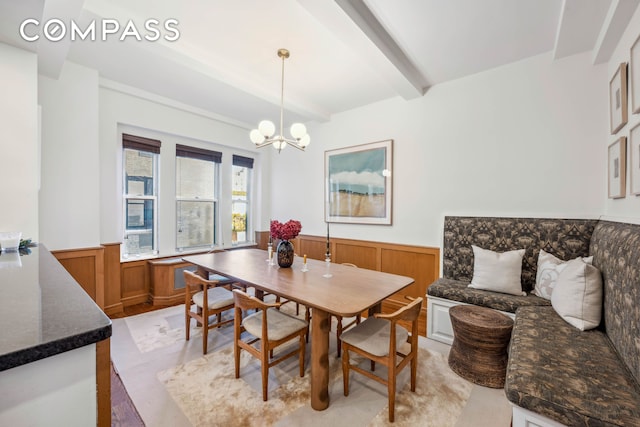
column 265, row 134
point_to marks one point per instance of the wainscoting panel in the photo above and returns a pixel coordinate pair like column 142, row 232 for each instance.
column 86, row 266
column 134, row 282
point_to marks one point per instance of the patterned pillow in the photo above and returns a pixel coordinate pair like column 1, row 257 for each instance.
column 497, row 271
column 549, row 268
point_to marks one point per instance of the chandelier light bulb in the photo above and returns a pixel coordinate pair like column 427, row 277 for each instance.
column 298, row 130
column 279, row 145
column 256, row 137
column 305, row 140
column 267, row 128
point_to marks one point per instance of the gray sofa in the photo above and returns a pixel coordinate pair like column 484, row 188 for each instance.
column 557, row 374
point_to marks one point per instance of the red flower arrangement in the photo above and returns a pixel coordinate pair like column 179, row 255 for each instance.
column 287, row 231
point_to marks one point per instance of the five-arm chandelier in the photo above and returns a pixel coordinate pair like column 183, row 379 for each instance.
column 265, row 134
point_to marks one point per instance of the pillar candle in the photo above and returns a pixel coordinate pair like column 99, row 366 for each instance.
column 327, row 237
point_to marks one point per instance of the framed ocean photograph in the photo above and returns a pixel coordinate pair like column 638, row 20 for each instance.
column 358, row 183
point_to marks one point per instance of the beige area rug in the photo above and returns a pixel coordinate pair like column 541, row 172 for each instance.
column 208, row 394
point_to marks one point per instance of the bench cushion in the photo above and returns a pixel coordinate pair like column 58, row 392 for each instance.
column 570, row 376
column 564, row 238
column 456, row 290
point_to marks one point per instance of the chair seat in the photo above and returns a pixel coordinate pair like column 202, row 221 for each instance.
column 221, row 279
column 218, row 297
column 279, row 324
column 372, row 336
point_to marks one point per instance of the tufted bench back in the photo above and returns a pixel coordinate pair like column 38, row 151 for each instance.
column 564, row 238
column 616, row 252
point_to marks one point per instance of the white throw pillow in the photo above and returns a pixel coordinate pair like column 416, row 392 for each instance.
column 549, row 267
column 577, row 296
column 497, row 271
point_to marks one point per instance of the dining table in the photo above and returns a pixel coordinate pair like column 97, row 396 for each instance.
column 327, row 288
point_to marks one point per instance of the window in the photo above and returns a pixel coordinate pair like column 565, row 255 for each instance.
column 140, row 168
column 196, row 196
column 241, row 199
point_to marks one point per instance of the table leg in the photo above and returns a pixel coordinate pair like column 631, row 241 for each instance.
column 320, row 328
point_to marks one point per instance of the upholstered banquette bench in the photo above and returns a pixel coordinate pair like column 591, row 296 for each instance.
column 564, row 368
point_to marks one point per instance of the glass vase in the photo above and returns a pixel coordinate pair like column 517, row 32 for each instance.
column 284, row 253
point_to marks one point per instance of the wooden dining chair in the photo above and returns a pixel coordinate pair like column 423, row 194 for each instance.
column 379, row 339
column 268, row 328
column 210, row 298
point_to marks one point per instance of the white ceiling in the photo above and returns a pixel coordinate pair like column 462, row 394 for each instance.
column 344, row 53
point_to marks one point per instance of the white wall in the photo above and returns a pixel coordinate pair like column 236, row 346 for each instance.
column 19, row 159
column 69, row 200
column 628, row 207
column 524, row 139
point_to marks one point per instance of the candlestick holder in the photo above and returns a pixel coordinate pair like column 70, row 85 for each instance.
column 270, row 253
column 327, row 262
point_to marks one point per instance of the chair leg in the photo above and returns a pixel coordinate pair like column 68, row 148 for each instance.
column 307, row 318
column 187, row 325
column 391, row 385
column 265, row 372
column 302, row 354
column 338, row 333
column 345, row 371
column 236, row 347
column 414, row 369
column 205, row 337
column 187, row 318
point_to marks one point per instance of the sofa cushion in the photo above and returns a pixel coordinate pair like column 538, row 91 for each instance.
column 614, row 247
column 565, row 238
column 549, row 268
column 456, row 290
column 578, row 295
column 570, row 376
column 497, row 271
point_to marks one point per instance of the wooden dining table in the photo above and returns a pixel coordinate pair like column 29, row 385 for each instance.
column 347, row 292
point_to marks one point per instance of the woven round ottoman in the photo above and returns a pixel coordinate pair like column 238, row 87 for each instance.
column 480, row 343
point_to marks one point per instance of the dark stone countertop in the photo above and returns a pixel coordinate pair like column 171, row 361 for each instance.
column 43, row 310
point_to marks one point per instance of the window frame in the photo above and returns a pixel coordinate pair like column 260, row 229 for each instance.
column 152, row 147
column 215, row 157
column 245, row 162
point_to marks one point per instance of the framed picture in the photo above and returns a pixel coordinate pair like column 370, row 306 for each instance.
column 635, row 76
column 358, row 183
column 618, row 99
column 617, row 170
column 634, row 159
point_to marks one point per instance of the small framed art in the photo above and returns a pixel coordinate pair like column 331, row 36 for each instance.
column 635, row 76
column 617, row 170
column 358, row 183
column 634, row 159
column 618, row 99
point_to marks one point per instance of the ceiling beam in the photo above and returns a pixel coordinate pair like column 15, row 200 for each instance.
column 579, row 26
column 615, row 24
column 362, row 16
column 52, row 55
